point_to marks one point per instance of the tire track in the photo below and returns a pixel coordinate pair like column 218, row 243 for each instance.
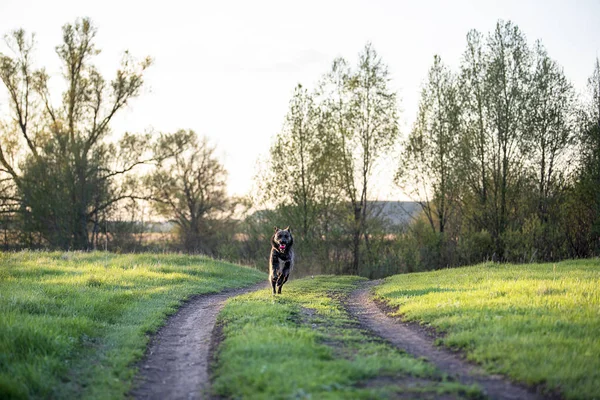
column 176, row 362
column 361, row 306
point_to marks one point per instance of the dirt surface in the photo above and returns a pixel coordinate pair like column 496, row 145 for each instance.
column 177, row 359
column 419, row 344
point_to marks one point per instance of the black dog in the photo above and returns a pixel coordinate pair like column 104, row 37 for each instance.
column 281, row 261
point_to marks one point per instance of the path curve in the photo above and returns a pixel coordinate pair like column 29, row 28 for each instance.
column 361, row 305
column 177, row 359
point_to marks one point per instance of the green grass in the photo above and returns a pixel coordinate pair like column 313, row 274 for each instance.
column 536, row 323
column 72, row 325
column 302, row 344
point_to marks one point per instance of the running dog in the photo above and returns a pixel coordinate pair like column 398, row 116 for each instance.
column 281, row 261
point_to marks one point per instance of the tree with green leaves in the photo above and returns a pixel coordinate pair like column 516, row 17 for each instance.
column 300, row 180
column 507, row 80
column 475, row 132
column 429, row 165
column 583, row 224
column 363, row 110
column 550, row 126
column 188, row 187
column 293, row 171
column 61, row 171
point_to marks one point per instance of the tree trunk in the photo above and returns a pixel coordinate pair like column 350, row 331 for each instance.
column 356, row 241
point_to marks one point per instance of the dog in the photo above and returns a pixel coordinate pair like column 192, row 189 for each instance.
column 281, row 261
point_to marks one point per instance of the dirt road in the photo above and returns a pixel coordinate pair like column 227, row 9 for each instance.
column 177, row 359
column 176, row 365
column 417, row 343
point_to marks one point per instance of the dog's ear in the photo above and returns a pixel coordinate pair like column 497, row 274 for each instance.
column 288, row 229
column 276, row 229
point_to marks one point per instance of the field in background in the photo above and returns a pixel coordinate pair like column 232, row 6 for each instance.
column 536, row 323
column 73, row 324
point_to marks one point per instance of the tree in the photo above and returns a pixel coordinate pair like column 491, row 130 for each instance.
column 475, row 133
column 506, row 85
column 294, row 173
column 62, row 172
column 188, row 187
column 550, row 126
column 299, row 178
column 586, row 239
column 364, row 112
column 323, row 159
column 429, row 163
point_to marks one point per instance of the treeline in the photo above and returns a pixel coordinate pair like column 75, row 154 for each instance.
column 65, row 180
column 318, row 177
column 505, row 156
column 503, row 159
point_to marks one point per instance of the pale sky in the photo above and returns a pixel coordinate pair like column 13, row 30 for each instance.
column 227, row 69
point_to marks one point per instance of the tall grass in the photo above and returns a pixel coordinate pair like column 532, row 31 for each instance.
column 72, row 325
column 536, row 323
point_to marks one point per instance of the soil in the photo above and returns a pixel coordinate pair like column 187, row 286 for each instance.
column 176, row 362
column 419, row 342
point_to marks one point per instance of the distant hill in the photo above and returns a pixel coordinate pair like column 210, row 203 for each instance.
column 395, row 212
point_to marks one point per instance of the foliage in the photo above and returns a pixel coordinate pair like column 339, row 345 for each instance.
column 503, row 158
column 188, row 188
column 586, row 190
column 321, row 163
column 491, row 155
column 432, row 150
column 365, row 125
column 59, row 172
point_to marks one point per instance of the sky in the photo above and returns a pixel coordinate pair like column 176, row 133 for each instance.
column 227, row 69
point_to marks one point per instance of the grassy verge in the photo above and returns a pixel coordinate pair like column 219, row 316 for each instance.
column 73, row 324
column 302, row 344
column 537, row 323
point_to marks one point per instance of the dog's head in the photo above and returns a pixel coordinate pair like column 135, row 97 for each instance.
column 282, row 239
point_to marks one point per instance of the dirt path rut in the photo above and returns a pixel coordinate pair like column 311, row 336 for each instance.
column 177, row 359
column 405, row 337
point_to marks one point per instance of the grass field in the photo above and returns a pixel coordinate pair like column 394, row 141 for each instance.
column 302, row 344
column 73, row 324
column 537, row 323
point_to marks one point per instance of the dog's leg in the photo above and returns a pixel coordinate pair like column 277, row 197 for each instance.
column 284, row 276
column 273, row 283
column 273, row 270
column 280, row 282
